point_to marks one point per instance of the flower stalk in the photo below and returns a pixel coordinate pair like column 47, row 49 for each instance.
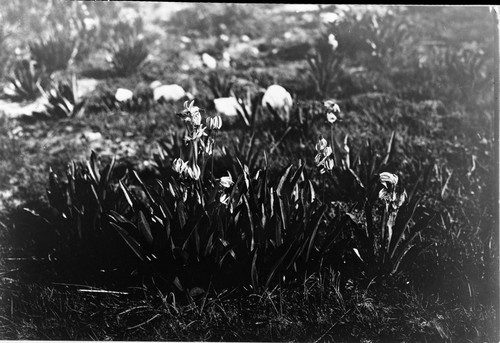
column 201, row 137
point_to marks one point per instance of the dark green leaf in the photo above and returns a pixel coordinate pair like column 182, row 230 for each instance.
column 144, row 228
column 131, row 242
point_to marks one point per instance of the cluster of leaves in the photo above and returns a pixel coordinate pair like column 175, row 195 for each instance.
column 250, row 108
column 265, row 231
column 128, row 53
column 262, row 231
column 384, row 235
column 53, row 53
column 104, row 99
column 62, row 101
column 469, row 70
column 73, row 229
column 87, row 33
column 220, row 82
column 325, row 65
column 370, row 39
column 25, row 81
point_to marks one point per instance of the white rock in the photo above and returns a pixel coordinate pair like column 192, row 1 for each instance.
column 92, row 136
column 155, row 84
column 123, row 94
column 172, row 92
column 17, row 130
column 90, row 23
column 85, row 86
column 227, row 106
column 329, row 17
column 209, row 61
column 185, row 40
column 240, row 49
column 15, row 109
column 279, row 100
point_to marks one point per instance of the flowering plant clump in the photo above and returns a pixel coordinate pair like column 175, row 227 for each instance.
column 393, row 198
column 325, row 158
column 201, row 139
column 325, row 62
column 385, row 237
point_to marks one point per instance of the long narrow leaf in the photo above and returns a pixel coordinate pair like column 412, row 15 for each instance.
column 107, row 172
column 277, row 264
column 126, row 193
column 312, row 237
column 390, row 149
column 254, row 277
column 131, row 242
column 144, row 188
column 249, row 214
column 144, row 228
column 282, row 180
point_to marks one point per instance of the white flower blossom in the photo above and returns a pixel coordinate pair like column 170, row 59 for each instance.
column 321, row 145
column 214, row 123
column 388, row 193
column 224, row 199
column 226, row 181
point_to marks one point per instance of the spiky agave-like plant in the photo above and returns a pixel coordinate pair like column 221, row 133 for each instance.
column 128, row 53
column 25, row 81
column 63, row 100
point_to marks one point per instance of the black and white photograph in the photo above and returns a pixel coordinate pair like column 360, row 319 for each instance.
column 249, row 172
